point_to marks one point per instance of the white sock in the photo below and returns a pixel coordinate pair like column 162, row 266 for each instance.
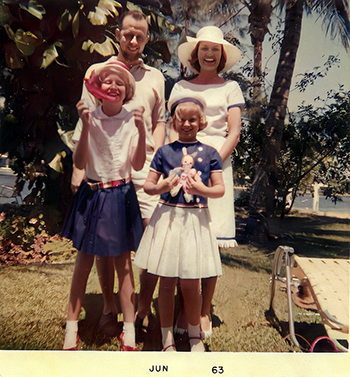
column 129, row 334
column 167, row 336
column 179, row 330
column 70, row 339
column 196, row 344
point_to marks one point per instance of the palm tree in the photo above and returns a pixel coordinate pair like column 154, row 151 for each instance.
column 259, row 19
column 266, row 177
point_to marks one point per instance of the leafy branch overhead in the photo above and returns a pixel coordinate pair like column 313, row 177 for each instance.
column 47, row 47
column 37, row 32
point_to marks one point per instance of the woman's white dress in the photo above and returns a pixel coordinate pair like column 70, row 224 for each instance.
column 219, row 99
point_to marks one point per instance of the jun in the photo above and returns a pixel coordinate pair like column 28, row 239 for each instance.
column 159, row 368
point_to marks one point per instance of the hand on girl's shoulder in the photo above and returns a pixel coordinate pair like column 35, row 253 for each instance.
column 138, row 111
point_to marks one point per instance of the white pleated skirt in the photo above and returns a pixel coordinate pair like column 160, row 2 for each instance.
column 179, row 242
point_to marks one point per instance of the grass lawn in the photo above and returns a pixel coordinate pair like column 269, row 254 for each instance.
column 34, row 297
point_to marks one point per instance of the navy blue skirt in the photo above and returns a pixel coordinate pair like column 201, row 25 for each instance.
column 106, row 222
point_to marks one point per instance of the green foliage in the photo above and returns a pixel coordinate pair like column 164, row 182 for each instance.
column 243, row 199
column 21, row 231
column 47, row 47
column 318, row 144
column 309, row 78
column 25, row 230
column 246, row 155
column 315, row 146
column 43, row 64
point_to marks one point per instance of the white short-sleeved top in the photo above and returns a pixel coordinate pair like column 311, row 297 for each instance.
column 219, row 99
column 112, row 142
column 149, row 93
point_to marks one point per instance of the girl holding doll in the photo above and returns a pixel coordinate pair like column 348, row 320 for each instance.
column 179, row 243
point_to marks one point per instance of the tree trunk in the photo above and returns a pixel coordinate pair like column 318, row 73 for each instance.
column 259, row 18
column 265, row 183
column 266, row 176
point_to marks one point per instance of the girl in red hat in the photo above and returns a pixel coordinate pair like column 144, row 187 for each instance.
column 105, row 219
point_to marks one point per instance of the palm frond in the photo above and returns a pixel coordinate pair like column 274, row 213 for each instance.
column 336, row 19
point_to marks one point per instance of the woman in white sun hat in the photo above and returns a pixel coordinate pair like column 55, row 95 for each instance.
column 207, row 55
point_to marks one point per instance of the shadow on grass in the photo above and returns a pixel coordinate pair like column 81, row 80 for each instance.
column 310, row 235
column 93, row 336
column 305, row 333
column 316, row 236
column 239, row 262
column 89, row 330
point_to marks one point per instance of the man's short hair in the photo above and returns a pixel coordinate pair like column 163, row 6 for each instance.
column 135, row 14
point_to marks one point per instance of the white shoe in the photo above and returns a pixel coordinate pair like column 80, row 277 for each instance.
column 208, row 333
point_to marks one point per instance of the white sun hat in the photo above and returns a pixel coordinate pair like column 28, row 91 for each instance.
column 208, row 34
column 185, row 96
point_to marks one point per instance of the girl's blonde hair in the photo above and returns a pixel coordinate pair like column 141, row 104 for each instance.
column 93, row 83
column 124, row 76
column 195, row 108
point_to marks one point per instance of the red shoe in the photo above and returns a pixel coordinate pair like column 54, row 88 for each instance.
column 73, row 348
column 124, row 346
column 172, row 346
